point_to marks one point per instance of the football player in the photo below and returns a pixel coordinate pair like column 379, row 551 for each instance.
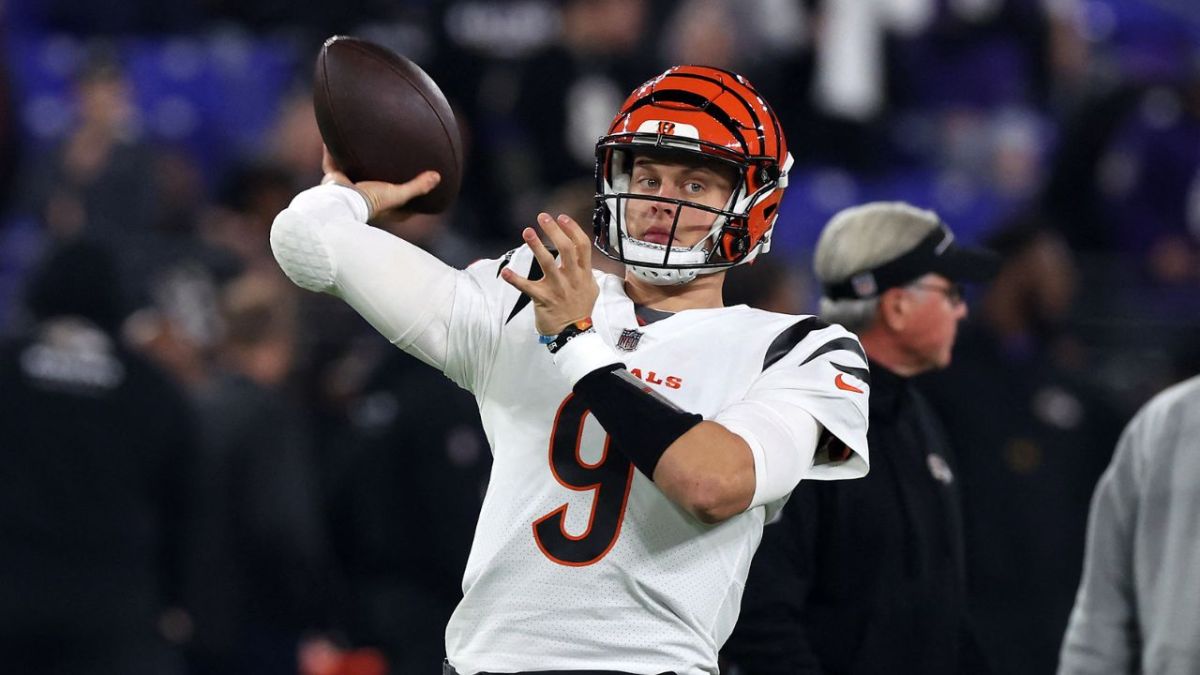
column 642, row 432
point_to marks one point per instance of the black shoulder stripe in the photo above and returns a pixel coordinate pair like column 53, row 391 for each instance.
column 838, row 344
column 535, row 273
column 758, row 126
column 791, row 337
column 861, row 373
column 504, row 262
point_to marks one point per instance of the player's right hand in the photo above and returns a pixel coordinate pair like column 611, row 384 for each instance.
column 380, row 196
column 568, row 290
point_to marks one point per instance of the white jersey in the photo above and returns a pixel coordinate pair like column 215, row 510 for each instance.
column 579, row 562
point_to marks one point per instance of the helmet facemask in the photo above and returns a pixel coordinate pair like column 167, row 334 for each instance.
column 727, row 243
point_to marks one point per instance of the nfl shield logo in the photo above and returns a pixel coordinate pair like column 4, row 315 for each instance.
column 864, row 285
column 630, row 337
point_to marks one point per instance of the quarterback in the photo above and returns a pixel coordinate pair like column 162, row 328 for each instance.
column 642, row 432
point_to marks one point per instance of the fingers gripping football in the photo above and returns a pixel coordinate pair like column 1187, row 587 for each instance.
column 381, row 196
column 567, row 291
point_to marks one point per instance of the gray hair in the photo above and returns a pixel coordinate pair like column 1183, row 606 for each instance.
column 853, row 315
column 861, row 238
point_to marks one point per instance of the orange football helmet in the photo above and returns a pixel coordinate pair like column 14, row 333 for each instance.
column 703, row 111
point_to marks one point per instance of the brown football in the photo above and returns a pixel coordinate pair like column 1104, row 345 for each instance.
column 383, row 118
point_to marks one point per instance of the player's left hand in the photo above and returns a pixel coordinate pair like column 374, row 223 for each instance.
column 568, row 291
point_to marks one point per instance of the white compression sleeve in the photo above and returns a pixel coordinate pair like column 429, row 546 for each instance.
column 323, row 243
column 783, row 445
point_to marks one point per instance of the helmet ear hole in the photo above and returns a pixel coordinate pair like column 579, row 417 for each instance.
column 601, row 216
column 734, row 244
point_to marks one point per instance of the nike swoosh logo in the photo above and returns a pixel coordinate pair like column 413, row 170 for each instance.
column 844, row 386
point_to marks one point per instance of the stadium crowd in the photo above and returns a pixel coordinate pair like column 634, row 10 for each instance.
column 288, row 493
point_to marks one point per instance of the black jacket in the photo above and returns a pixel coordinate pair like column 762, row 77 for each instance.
column 1040, row 437
column 865, row 576
column 95, row 450
column 257, row 567
column 406, row 501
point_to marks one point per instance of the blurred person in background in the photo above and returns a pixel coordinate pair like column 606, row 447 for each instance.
column 1128, row 171
column 337, row 350
column 172, row 253
column 706, row 31
column 1124, row 192
column 415, row 470
column 16, row 243
column 179, row 328
column 836, row 84
column 257, row 576
column 1150, row 182
column 476, row 51
column 333, row 354
column 98, row 181
column 590, row 68
column 866, row 576
column 295, row 144
column 251, row 193
column 980, row 58
column 119, row 17
column 94, row 469
column 767, row 284
column 1036, row 436
column 404, row 459
column 873, row 85
column 1137, row 610
column 10, row 141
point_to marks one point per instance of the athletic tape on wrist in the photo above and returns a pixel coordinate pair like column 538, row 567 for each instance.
column 642, row 423
column 353, row 198
column 583, row 354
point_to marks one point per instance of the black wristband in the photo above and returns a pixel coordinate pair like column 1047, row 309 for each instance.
column 642, row 424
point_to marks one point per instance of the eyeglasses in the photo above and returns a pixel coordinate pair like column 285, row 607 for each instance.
column 953, row 292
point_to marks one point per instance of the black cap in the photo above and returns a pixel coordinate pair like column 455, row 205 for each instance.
column 937, row 253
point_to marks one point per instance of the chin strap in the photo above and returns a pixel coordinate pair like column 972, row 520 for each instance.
column 671, row 277
column 663, row 277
